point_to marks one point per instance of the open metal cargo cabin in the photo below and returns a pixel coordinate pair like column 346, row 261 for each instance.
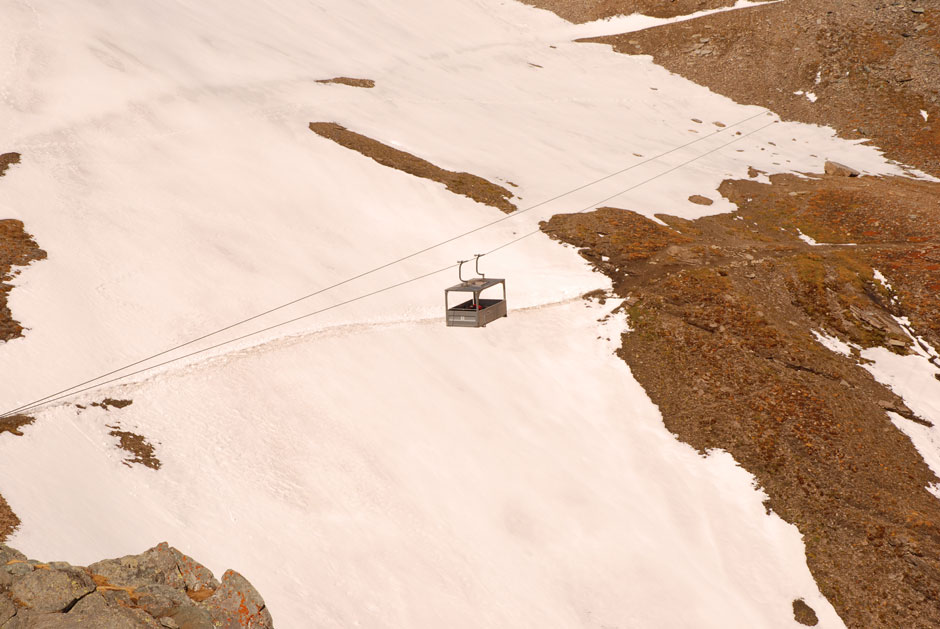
column 477, row 311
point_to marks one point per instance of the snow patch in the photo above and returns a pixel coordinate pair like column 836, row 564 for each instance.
column 916, row 379
column 832, row 343
column 807, row 239
column 812, row 242
column 810, row 96
column 634, row 22
column 881, row 278
column 924, row 115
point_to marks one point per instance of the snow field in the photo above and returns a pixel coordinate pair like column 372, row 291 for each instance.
column 349, row 463
column 520, row 479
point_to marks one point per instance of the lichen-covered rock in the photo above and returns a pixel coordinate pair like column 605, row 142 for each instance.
column 157, row 565
column 160, row 600
column 192, row 618
column 7, row 609
column 237, row 604
column 18, row 568
column 8, row 554
column 160, row 588
column 48, row 590
column 195, row 575
column 91, row 604
column 109, row 618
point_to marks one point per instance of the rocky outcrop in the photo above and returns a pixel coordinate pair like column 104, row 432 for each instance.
column 161, row 587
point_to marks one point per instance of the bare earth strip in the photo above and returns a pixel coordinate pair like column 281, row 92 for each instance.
column 351, row 82
column 477, row 188
column 722, row 310
column 868, row 69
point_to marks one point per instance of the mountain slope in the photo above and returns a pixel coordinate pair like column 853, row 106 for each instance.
column 369, row 465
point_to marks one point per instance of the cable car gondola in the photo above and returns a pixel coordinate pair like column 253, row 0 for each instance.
column 477, row 311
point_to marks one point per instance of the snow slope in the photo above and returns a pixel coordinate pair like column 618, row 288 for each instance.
column 367, row 466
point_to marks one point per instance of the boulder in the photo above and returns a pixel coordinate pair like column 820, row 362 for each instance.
column 237, row 604
column 47, row 590
column 157, row 565
column 700, row 200
column 7, row 609
column 110, row 618
column 840, row 170
column 192, row 618
column 196, row 576
column 8, row 554
column 161, row 600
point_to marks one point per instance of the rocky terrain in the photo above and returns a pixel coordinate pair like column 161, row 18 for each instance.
column 726, row 315
column 161, row 587
column 867, row 69
column 723, row 311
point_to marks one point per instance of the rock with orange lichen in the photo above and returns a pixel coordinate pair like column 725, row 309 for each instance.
column 161, row 587
column 237, row 604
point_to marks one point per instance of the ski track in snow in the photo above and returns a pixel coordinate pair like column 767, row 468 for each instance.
column 389, row 472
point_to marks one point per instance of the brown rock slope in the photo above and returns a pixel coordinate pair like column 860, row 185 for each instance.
column 722, row 310
column 873, row 66
column 17, row 248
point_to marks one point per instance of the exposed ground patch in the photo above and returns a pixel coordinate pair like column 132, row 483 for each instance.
column 893, row 223
column 8, row 520
column 477, row 188
column 14, row 424
column 804, row 614
column 141, row 451
column 580, row 11
column 6, row 160
column 722, row 310
column 351, row 82
column 867, row 69
column 17, row 248
column 109, row 403
column 139, row 448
